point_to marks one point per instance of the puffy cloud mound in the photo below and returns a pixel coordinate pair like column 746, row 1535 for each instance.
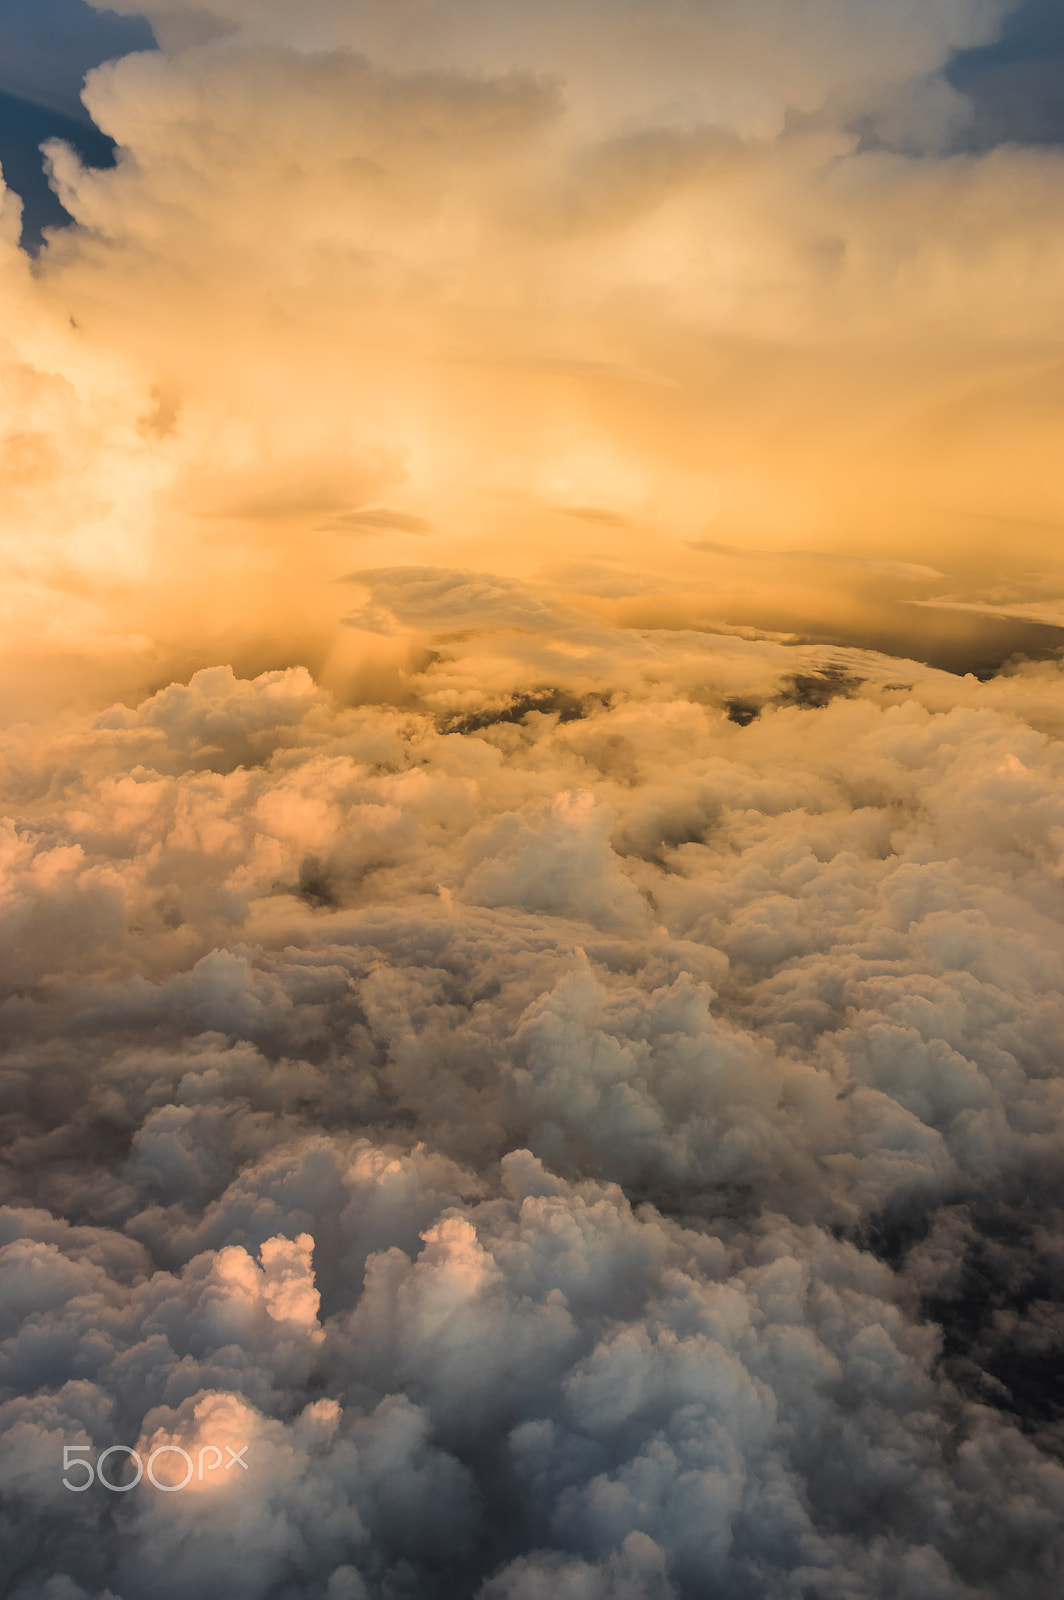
column 584, row 1145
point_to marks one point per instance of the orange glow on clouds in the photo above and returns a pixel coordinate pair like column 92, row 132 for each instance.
column 531, row 821
column 332, row 312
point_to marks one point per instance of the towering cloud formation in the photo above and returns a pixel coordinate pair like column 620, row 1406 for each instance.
column 636, row 299
column 532, row 998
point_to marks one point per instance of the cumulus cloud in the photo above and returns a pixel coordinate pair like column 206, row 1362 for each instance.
column 582, row 1155
column 702, row 60
column 446, row 274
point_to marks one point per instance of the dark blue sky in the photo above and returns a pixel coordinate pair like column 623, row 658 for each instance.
column 1017, row 85
column 47, row 46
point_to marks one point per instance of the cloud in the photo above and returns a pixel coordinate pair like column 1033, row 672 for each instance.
column 379, row 519
column 706, row 62
column 572, row 1180
column 457, row 274
column 537, row 1073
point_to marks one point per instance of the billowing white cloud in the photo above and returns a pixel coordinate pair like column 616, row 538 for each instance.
column 706, row 60
column 588, row 1153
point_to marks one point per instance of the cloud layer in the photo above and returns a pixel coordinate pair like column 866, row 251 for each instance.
column 609, row 1152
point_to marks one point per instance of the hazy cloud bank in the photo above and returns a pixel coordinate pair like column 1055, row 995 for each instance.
column 516, row 288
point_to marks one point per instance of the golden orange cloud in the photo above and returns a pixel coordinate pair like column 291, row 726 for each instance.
column 518, row 311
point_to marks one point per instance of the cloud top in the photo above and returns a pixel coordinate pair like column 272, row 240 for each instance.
column 600, row 1155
